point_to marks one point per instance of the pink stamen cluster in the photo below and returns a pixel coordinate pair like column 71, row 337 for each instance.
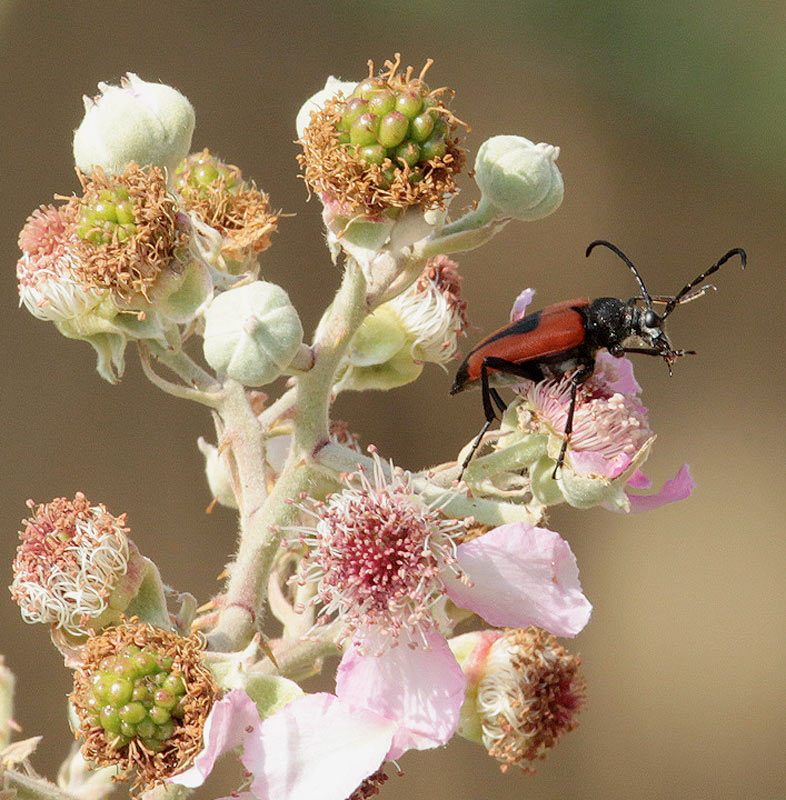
column 608, row 423
column 70, row 558
column 377, row 553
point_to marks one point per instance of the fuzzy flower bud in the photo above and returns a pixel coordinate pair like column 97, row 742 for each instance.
column 217, row 196
column 524, row 691
column 148, row 123
column 252, row 333
column 70, row 569
column 142, row 697
column 518, row 178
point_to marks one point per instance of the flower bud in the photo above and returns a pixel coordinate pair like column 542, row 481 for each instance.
column 252, row 333
column 523, row 693
column 518, row 178
column 149, row 123
column 218, row 476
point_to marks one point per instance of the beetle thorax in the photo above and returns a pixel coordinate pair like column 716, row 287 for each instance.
column 609, row 322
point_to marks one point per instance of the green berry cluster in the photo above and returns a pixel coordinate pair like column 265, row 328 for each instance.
column 201, row 171
column 136, row 694
column 405, row 125
column 112, row 213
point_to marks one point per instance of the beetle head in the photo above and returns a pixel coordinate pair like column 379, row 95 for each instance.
column 644, row 323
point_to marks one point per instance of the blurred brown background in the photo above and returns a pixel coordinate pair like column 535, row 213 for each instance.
column 672, row 122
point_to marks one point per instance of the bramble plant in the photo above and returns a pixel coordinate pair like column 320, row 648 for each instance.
column 353, row 556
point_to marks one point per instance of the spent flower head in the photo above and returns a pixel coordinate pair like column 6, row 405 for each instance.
column 72, row 557
column 47, row 272
column 433, row 312
column 142, row 697
column 217, row 195
column 527, row 696
column 391, row 144
column 128, row 231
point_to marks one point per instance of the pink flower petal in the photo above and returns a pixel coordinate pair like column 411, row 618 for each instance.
column 677, row 488
column 522, row 575
column 228, row 725
column 316, row 747
column 422, row 690
column 519, row 309
column 618, row 373
column 639, row 481
column 589, row 462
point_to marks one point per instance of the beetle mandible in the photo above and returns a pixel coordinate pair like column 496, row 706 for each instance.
column 564, row 338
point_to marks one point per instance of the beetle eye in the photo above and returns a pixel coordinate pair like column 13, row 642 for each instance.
column 651, row 318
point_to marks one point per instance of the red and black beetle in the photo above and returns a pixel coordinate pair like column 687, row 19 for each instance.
column 565, row 337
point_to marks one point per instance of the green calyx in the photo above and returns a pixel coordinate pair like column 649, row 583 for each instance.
column 404, row 125
column 136, row 694
column 109, row 217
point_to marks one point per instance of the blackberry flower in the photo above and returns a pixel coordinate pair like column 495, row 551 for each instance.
column 384, row 563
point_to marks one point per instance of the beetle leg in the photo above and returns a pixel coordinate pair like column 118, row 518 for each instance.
column 651, row 351
column 489, row 393
column 488, row 410
column 501, row 404
column 578, row 377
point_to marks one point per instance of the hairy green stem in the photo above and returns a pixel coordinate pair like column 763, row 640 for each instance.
column 261, row 517
column 450, row 501
column 28, row 787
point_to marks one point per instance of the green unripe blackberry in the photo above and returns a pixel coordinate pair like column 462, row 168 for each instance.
column 409, row 104
column 401, row 123
column 110, row 214
column 133, row 694
column 364, row 130
column 393, row 128
column 388, row 142
column 196, row 174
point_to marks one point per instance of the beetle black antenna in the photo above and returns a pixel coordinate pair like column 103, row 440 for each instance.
column 613, row 247
column 672, row 304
